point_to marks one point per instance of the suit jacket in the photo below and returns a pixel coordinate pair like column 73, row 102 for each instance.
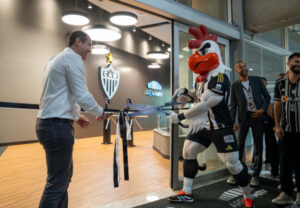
column 239, row 102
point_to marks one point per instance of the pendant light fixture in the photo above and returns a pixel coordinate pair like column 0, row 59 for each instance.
column 73, row 17
column 158, row 54
column 104, row 33
column 154, row 65
column 100, row 49
column 123, row 18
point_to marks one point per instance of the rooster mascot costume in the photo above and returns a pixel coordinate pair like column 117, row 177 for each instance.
column 209, row 118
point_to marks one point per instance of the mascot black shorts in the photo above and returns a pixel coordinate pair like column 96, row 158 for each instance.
column 224, row 139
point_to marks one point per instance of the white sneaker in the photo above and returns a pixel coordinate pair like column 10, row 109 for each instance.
column 254, row 181
column 283, row 199
column 231, row 180
column 297, row 201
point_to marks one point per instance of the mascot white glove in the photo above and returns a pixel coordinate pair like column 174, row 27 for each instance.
column 180, row 91
column 176, row 118
column 183, row 95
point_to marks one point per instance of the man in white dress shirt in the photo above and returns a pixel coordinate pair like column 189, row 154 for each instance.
column 64, row 92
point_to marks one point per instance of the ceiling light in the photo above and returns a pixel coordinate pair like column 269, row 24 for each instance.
column 163, row 44
column 180, row 56
column 154, row 66
column 158, row 54
column 100, row 49
column 75, row 18
column 170, row 49
column 103, row 33
column 123, row 18
column 186, row 49
column 134, row 29
column 251, row 69
column 150, row 37
column 90, row 6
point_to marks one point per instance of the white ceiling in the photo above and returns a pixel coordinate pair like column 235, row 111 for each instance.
column 162, row 32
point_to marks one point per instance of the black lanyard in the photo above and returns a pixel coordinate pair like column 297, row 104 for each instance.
column 123, row 135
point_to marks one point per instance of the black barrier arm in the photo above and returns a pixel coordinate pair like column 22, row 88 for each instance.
column 130, row 142
column 106, row 125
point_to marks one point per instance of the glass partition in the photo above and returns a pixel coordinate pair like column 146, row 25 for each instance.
column 184, row 78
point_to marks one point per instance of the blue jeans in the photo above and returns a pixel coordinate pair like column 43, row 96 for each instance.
column 57, row 137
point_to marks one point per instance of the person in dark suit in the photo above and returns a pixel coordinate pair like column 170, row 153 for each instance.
column 249, row 101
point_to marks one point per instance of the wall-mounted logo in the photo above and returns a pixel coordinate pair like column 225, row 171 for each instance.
column 110, row 78
column 154, row 89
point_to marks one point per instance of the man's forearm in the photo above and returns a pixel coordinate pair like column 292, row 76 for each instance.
column 277, row 112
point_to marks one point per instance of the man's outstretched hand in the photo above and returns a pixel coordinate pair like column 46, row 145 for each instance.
column 83, row 121
column 105, row 115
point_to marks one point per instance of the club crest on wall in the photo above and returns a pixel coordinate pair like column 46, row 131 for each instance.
column 109, row 78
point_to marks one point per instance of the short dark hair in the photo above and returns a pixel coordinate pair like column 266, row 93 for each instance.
column 76, row 34
column 293, row 55
column 238, row 62
column 264, row 78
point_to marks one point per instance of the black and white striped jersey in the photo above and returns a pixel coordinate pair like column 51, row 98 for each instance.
column 289, row 96
column 218, row 116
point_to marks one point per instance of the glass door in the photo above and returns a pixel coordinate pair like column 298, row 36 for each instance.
column 183, row 77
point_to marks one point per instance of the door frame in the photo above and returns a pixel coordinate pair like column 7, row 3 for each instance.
column 175, row 182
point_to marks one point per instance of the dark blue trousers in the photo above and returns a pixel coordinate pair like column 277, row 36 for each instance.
column 257, row 127
column 57, row 137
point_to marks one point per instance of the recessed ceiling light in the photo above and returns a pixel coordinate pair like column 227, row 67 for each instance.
column 123, row 18
column 103, row 33
column 251, row 69
column 75, row 18
column 158, row 55
column 154, row 66
column 100, row 49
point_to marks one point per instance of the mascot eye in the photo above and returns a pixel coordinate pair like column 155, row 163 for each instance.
column 204, row 49
column 204, row 52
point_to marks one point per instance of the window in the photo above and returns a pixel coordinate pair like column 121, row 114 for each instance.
column 214, row 8
column 273, row 65
column 273, row 36
column 264, row 63
column 293, row 39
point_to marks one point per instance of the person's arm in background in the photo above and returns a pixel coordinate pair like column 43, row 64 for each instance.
column 233, row 107
column 270, row 110
column 266, row 100
column 277, row 112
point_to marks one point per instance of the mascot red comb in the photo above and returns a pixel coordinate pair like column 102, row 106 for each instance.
column 209, row 118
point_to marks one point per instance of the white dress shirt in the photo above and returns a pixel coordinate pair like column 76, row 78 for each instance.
column 249, row 96
column 64, row 87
